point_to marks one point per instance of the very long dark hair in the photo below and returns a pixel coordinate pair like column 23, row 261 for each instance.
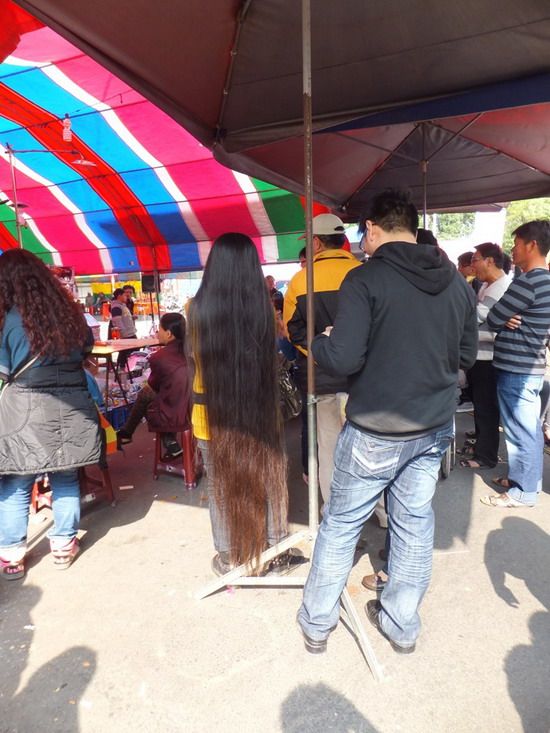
column 52, row 319
column 232, row 326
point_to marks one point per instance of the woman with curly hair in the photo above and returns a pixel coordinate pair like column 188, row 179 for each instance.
column 236, row 415
column 48, row 421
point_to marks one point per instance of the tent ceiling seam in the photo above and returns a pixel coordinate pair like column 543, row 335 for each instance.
column 454, row 135
column 501, row 153
column 377, row 168
column 219, row 131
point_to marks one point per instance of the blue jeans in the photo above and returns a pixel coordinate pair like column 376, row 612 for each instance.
column 364, row 466
column 519, row 403
column 15, row 496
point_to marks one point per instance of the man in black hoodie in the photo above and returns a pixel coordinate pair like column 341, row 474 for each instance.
column 406, row 323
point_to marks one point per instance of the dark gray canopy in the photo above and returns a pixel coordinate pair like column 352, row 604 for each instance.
column 231, row 73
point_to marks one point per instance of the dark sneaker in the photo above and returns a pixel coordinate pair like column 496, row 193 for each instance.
column 122, row 438
column 173, row 449
column 285, row 562
column 314, row 646
column 221, row 564
column 372, row 609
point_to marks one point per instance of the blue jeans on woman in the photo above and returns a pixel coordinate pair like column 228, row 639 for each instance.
column 364, row 466
column 519, row 403
column 15, row 497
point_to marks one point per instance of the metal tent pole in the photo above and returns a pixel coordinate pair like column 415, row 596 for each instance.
column 424, row 169
column 353, row 618
column 313, row 469
column 14, row 189
column 237, row 576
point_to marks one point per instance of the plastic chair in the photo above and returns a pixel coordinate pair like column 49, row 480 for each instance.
column 191, row 460
column 91, row 489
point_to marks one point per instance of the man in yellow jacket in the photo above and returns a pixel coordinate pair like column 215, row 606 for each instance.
column 331, row 264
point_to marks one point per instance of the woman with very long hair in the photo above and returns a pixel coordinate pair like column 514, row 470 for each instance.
column 48, row 421
column 236, row 414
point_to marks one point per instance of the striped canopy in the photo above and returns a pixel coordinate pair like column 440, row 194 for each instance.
column 132, row 190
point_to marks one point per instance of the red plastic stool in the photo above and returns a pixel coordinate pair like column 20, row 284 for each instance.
column 41, row 496
column 191, row 459
column 94, row 489
column 91, row 489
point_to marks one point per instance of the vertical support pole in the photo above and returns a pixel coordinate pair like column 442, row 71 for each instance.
column 14, row 189
column 424, row 168
column 156, row 281
column 310, row 303
column 152, row 311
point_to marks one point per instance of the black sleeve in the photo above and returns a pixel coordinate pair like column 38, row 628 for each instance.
column 468, row 342
column 344, row 352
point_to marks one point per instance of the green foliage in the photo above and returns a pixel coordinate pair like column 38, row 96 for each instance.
column 451, row 226
column 518, row 212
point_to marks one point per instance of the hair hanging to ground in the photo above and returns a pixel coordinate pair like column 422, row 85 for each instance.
column 52, row 319
column 232, row 325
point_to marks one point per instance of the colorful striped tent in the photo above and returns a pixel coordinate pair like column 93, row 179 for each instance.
column 132, row 190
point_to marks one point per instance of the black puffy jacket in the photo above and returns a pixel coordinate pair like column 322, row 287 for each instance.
column 48, row 421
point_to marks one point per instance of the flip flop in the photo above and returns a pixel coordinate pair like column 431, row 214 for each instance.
column 502, row 501
column 502, row 482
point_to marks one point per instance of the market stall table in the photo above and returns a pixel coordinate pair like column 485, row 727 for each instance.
column 106, row 349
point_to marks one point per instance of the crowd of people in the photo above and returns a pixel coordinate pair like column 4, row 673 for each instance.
column 391, row 335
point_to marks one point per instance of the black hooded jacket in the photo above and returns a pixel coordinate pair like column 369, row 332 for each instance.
column 406, row 323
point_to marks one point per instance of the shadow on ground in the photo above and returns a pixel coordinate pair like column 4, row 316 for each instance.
column 314, row 708
column 522, row 549
column 50, row 699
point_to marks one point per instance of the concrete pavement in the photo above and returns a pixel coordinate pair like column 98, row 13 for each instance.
column 118, row 643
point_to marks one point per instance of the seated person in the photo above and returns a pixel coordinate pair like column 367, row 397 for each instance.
column 164, row 399
column 122, row 320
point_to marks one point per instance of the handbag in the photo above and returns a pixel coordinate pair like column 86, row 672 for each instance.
column 289, row 395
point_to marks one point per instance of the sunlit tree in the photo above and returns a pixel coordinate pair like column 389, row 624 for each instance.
column 518, row 212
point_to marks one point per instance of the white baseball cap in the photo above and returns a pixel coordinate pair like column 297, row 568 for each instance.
column 326, row 224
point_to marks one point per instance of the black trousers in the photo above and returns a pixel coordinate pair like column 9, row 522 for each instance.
column 482, row 379
column 139, row 410
column 123, row 355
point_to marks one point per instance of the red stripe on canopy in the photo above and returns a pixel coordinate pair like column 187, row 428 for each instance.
column 130, row 213
column 66, row 237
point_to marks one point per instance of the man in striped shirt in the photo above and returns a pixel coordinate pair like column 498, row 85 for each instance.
column 521, row 319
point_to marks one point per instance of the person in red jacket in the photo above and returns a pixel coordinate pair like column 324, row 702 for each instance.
column 164, row 399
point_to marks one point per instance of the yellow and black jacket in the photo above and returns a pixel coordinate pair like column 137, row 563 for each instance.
column 330, row 267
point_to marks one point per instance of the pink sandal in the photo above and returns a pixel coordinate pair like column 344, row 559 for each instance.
column 12, row 570
column 64, row 556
